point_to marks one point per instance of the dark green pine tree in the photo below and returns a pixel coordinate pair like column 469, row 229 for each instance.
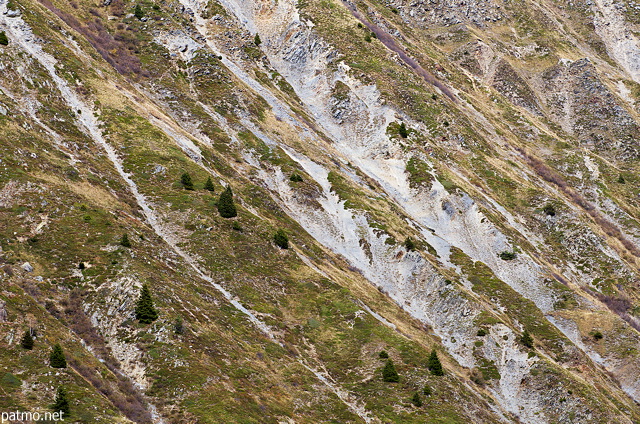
column 137, row 12
column 257, row 41
column 226, row 208
column 526, row 339
column 434, row 364
column 56, row 358
column 185, row 179
column 402, row 130
column 389, row 373
column 27, row 340
column 3, row 38
column 280, row 239
column 145, row 311
column 417, row 402
column 61, row 403
column 209, row 185
column 125, row 241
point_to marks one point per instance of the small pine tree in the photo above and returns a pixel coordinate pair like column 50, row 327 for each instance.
column 526, row 339
column 257, row 41
column 61, row 403
column 145, row 311
column 434, row 364
column 137, row 12
column 185, row 179
column 409, row 244
column 124, row 242
column 621, row 180
column 280, row 239
column 4, row 40
column 402, row 130
column 389, row 373
column 209, row 185
column 226, row 208
column 416, row 401
column 56, row 358
column 383, row 354
column 27, row 340
column 426, row 390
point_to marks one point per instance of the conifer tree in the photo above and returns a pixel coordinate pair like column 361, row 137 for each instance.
column 226, row 208
column 125, row 241
column 434, row 364
column 3, row 38
column 61, row 403
column 402, row 130
column 56, row 358
column 526, row 339
column 137, row 12
column 417, row 402
column 186, row 181
column 209, row 185
column 280, row 239
column 145, row 311
column 426, row 390
column 389, row 373
column 27, row 340
column 257, row 40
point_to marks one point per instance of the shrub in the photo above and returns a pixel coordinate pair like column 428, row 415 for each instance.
column 3, row 38
column 426, row 390
column 280, row 239
column 402, row 130
column 549, row 209
column 620, row 179
column 178, row 326
column 507, row 256
column 27, row 340
column 61, row 403
column 409, row 244
column 481, row 332
column 209, row 185
column 526, row 339
column 137, row 12
column 256, row 40
column 185, row 179
column 145, row 311
column 389, row 373
column 236, row 226
column 367, row 38
column 296, row 178
column 226, row 207
column 434, row 365
column 597, row 335
column 383, row 354
column 477, row 377
column 416, row 401
column 125, row 241
column 56, row 358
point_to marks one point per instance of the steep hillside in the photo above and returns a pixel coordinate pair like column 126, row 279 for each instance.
column 458, row 179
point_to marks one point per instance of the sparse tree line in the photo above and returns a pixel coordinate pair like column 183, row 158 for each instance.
column 226, row 209
column 390, row 375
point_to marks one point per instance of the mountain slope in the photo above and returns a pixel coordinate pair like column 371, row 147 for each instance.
column 462, row 176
